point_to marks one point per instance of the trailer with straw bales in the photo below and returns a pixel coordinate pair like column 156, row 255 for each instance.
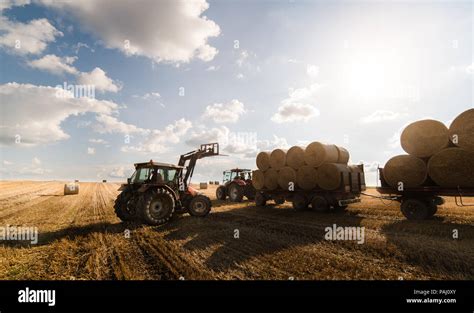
column 439, row 162
column 316, row 176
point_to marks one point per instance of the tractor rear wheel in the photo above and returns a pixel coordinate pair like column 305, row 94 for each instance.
column 200, row 206
column 124, row 209
column 236, row 193
column 158, row 207
column 220, row 193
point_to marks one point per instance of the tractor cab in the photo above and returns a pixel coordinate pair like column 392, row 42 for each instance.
column 237, row 183
column 237, row 174
column 155, row 173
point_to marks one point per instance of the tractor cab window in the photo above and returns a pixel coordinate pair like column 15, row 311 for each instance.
column 142, row 174
column 169, row 175
column 227, row 176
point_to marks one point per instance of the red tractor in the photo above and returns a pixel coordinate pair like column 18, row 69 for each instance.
column 237, row 183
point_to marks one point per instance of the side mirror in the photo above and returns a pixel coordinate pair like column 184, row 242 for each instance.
column 129, row 181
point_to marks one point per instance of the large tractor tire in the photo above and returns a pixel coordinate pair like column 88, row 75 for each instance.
column 200, row 206
column 415, row 209
column 124, row 209
column 221, row 193
column 236, row 193
column 158, row 207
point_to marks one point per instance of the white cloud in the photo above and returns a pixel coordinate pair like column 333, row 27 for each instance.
column 99, row 79
column 312, row 70
column 36, row 161
column 107, row 124
column 77, row 47
column 205, row 135
column 90, row 150
column 54, row 64
column 32, row 169
column 380, row 116
column 5, row 162
column 229, row 112
column 242, row 58
column 34, row 113
column 276, row 142
column 166, row 30
column 159, row 140
column 212, row 68
column 26, row 38
column 98, row 141
column 119, row 172
column 240, row 76
column 149, row 96
column 234, row 143
column 299, row 106
column 7, row 4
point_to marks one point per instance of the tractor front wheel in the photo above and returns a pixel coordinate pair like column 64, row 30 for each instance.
column 236, row 193
column 158, row 207
column 200, row 206
column 221, row 193
column 124, row 208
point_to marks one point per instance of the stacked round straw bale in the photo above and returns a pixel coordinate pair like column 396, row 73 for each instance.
column 436, row 154
column 310, row 167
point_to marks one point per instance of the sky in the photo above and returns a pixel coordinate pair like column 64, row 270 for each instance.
column 88, row 88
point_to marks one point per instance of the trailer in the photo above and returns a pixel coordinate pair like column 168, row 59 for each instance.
column 352, row 184
column 422, row 202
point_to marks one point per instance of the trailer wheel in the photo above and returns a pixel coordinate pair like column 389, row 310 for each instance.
column 260, row 199
column 200, row 206
column 279, row 200
column 236, row 193
column 320, row 204
column 220, row 193
column 415, row 209
column 300, row 202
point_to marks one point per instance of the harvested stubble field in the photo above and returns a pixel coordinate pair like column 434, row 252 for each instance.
column 81, row 238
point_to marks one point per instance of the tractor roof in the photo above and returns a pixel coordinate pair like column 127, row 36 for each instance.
column 151, row 163
column 239, row 170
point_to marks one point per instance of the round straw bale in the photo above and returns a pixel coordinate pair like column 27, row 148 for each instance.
column 271, row 179
column 263, row 160
column 317, row 153
column 343, row 155
column 278, row 158
column 407, row 169
column 306, row 177
column 329, row 175
column 452, row 167
column 286, row 175
column 295, row 157
column 71, row 189
column 424, row 138
column 461, row 130
column 258, row 179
